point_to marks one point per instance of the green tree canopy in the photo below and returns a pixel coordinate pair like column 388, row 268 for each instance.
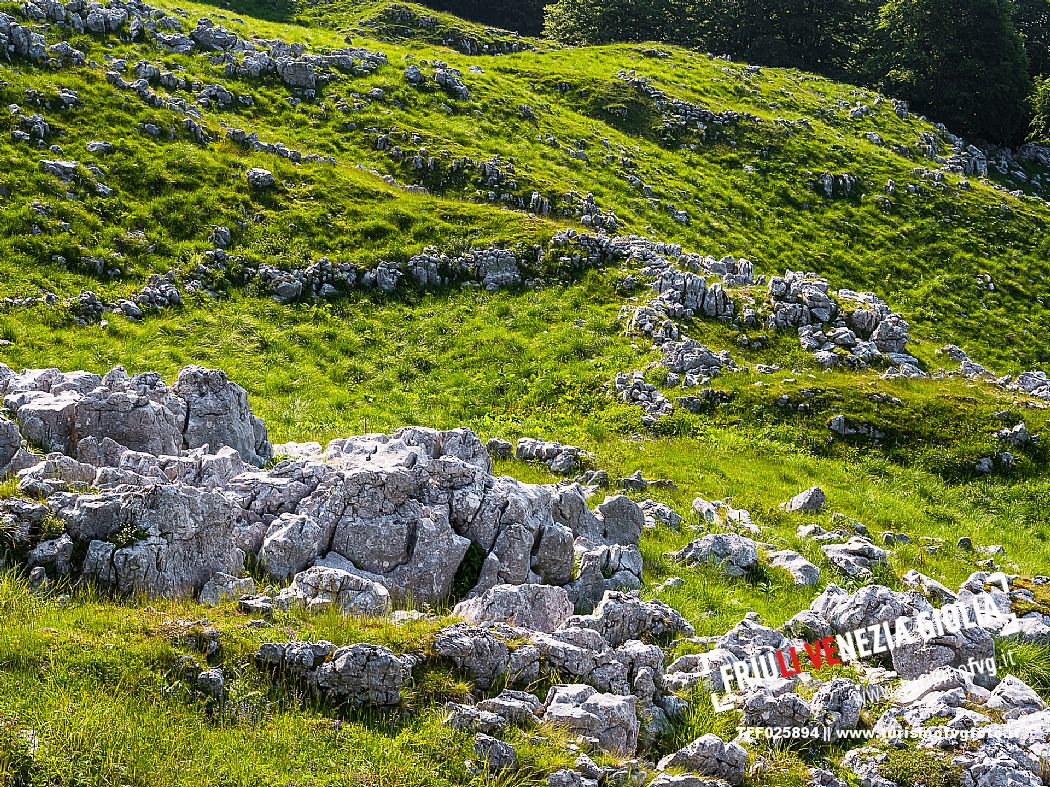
column 608, row 21
column 1041, row 111
column 960, row 61
column 1033, row 23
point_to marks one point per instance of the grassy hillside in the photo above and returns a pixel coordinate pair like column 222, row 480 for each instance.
column 98, row 680
column 745, row 187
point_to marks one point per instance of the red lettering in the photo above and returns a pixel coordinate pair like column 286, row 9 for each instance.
column 813, row 650
column 784, row 671
column 831, row 652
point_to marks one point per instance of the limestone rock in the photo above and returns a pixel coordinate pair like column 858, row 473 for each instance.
column 734, row 555
column 608, row 719
column 218, row 414
column 319, row 588
column 534, row 607
column 260, row 178
column 801, row 570
column 363, row 675
column 709, row 755
column 811, row 501
column 624, row 616
column 223, row 587
column 497, row 756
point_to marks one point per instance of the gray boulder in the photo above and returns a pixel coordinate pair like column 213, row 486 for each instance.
column 967, row 646
column 292, row 542
column 212, row 683
column 733, row 555
column 775, row 705
column 56, row 473
column 477, row 651
column 657, row 514
column 519, row 708
column 857, row 558
column 10, row 443
column 218, row 414
column 533, row 607
column 801, row 570
column 363, row 675
column 177, row 537
column 260, row 178
column 621, row 617
column 319, row 588
column 46, row 420
column 837, row 704
column 871, row 605
column 1014, row 698
column 136, row 419
column 54, row 554
column 810, row 501
column 495, row 755
column 224, row 587
column 709, row 755
column 929, row 587
column 610, row 720
column 469, row 718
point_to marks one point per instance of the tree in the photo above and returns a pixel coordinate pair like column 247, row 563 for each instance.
column 823, row 36
column 1041, row 111
column 581, row 22
column 1033, row 23
column 960, row 61
column 522, row 16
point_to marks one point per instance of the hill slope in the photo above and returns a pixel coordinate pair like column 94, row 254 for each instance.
column 372, row 215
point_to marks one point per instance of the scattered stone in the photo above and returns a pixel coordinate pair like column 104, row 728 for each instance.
column 223, row 587
column 733, row 555
column 609, row 720
column 810, row 501
column 857, row 558
column 709, row 755
column 497, row 756
column 260, row 178
column 801, row 570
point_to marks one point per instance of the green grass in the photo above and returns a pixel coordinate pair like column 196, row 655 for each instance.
column 921, row 767
column 96, row 679
column 97, row 684
column 924, row 255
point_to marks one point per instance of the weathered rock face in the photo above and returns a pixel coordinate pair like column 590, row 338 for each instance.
column 363, row 675
column 10, row 443
column 801, row 570
column 359, row 675
column 734, row 555
column 380, row 512
column 709, row 755
column 536, row 607
column 319, row 588
column 624, row 616
column 140, row 412
column 610, row 720
column 985, row 752
column 775, row 706
column 224, row 587
column 858, row 557
column 399, row 510
column 217, row 413
column 179, row 537
column 810, row 501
